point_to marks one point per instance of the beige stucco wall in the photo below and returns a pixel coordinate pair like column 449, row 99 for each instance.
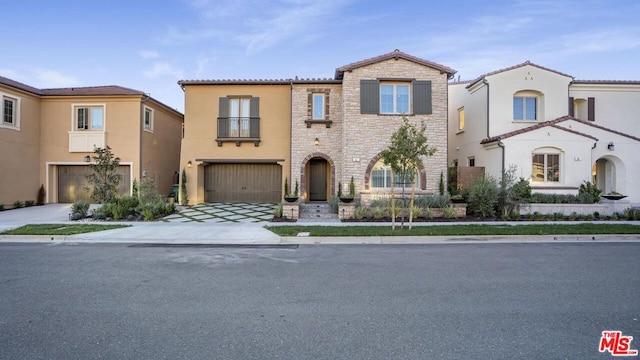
column 20, row 149
column 121, row 124
column 200, row 130
column 366, row 135
column 330, row 142
column 160, row 153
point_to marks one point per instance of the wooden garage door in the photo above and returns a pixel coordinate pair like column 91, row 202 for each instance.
column 243, row 183
column 72, row 182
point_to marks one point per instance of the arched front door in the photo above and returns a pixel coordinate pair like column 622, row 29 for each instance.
column 318, row 174
column 609, row 175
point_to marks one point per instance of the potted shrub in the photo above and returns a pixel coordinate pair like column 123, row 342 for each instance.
column 352, row 192
column 290, row 197
column 614, row 195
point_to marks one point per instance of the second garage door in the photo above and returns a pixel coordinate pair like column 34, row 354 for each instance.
column 243, row 183
column 73, row 184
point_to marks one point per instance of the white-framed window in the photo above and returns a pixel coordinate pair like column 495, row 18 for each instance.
column 527, row 106
column 10, row 112
column 381, row 177
column 394, row 98
column 88, row 117
column 317, row 112
column 461, row 119
column 148, row 119
column 239, row 117
column 545, row 165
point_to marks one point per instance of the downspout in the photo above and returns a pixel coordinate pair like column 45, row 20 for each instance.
column 290, row 133
column 501, row 145
column 488, row 94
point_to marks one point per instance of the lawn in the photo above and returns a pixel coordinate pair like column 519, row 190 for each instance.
column 453, row 230
column 60, row 229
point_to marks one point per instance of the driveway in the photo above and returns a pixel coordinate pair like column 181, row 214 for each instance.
column 52, row 213
column 224, row 213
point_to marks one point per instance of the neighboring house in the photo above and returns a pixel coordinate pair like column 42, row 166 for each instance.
column 244, row 137
column 558, row 131
column 51, row 135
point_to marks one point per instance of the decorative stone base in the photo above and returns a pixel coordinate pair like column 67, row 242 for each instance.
column 346, row 210
column 290, row 211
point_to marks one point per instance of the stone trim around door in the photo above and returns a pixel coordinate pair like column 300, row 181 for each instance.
column 303, row 183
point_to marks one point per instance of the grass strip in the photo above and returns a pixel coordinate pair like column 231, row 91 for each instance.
column 60, row 229
column 453, row 230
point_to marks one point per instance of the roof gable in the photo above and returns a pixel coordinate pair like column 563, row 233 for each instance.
column 395, row 55
column 526, row 63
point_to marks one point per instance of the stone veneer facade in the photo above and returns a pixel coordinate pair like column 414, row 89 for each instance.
column 353, row 142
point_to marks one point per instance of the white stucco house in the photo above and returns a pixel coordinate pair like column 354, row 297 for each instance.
column 558, row 131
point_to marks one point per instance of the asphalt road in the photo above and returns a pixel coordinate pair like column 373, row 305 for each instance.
column 476, row 301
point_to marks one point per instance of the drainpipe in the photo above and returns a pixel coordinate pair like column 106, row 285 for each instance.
column 488, row 95
column 290, row 133
column 501, row 145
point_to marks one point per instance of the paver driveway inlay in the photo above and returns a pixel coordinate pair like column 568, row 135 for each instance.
column 223, row 212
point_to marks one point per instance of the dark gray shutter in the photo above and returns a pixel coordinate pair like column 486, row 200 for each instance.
column 369, row 96
column 571, row 107
column 223, row 117
column 591, row 109
column 422, row 98
column 223, row 110
column 254, row 107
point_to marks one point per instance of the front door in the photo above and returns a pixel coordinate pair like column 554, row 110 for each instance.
column 318, row 180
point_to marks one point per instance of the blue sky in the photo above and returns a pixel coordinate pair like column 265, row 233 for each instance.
column 150, row 45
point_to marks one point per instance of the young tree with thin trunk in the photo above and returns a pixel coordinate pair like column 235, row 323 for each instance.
column 105, row 178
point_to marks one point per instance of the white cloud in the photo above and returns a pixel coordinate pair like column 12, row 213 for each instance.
column 148, row 54
column 47, row 78
column 160, row 69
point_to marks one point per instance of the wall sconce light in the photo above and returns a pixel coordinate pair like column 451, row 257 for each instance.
column 189, row 164
column 316, row 142
column 610, row 146
column 87, row 158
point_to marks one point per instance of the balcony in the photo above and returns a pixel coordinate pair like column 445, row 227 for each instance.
column 86, row 141
column 238, row 130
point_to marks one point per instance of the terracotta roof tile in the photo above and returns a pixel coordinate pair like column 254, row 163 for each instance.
column 396, row 54
column 481, row 77
column 607, row 82
column 19, row 85
column 91, row 90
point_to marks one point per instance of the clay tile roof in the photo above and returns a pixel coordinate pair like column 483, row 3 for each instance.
column 19, row 85
column 482, row 77
column 236, row 82
column 396, row 54
column 608, row 82
column 91, row 90
column 552, row 123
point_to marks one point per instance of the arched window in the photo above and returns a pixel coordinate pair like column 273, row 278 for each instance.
column 527, row 106
column 381, row 177
column 546, row 165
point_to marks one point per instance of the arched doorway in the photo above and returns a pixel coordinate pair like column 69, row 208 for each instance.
column 608, row 174
column 318, row 172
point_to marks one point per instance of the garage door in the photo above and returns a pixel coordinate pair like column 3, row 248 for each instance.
column 243, row 183
column 72, row 182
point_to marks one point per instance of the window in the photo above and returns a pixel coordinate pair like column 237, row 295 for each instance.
column 546, row 168
column 461, row 119
column 239, row 117
column 381, row 177
column 394, row 98
column 318, row 107
column 148, row 119
column 10, row 106
column 239, row 120
column 525, row 108
column 89, row 118
column 471, row 161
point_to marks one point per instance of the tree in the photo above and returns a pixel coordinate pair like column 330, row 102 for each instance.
column 105, row 178
column 408, row 144
column 184, row 199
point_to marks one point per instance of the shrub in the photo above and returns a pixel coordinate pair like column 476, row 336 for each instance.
column 184, row 199
column 1, row 207
column 278, row 211
column 105, row 177
column 589, row 193
column 80, row 207
column 377, row 212
column 18, row 204
column 333, row 204
column 41, row 195
column 428, row 213
column 441, row 184
column 452, row 183
column 418, row 211
column 360, row 212
column 432, row 201
column 558, row 216
column 449, row 212
column 29, row 203
column 147, row 214
column 148, row 194
column 631, row 213
column 573, row 216
column 483, row 197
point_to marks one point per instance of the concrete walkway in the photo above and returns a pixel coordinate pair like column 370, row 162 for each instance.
column 252, row 232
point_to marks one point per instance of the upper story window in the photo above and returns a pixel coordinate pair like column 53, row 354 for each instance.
column 10, row 112
column 148, row 119
column 395, row 97
column 461, row 119
column 381, row 177
column 318, row 107
column 527, row 106
column 545, row 165
column 89, row 118
column 471, row 161
column 238, row 120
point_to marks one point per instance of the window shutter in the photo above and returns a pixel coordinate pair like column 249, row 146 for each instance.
column 369, row 96
column 254, row 107
column 591, row 109
column 422, row 98
column 223, row 110
column 571, row 113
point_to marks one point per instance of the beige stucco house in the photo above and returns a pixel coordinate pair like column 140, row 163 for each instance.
column 51, row 134
column 243, row 138
column 558, row 131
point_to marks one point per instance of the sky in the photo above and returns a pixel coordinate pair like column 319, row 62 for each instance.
column 150, row 45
